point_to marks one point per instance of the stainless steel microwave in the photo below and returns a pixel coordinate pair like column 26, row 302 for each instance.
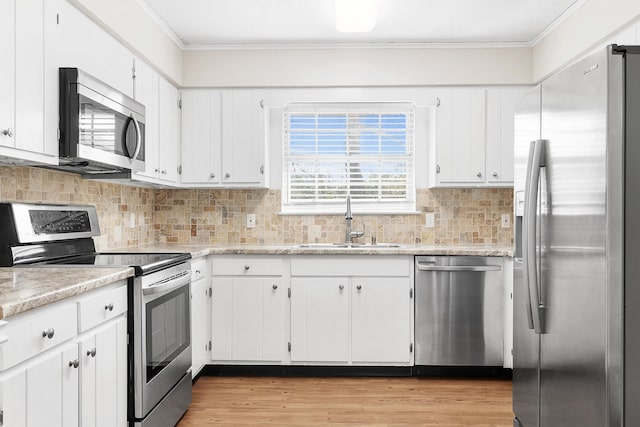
column 101, row 129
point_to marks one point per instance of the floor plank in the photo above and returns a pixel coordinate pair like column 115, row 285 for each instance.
column 348, row 402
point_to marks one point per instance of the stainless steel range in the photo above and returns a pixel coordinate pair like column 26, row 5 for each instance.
column 159, row 300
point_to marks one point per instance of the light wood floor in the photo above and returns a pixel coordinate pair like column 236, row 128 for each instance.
column 379, row 402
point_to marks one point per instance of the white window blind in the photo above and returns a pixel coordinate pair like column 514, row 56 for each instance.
column 365, row 150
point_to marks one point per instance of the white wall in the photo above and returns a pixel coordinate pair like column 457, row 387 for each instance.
column 595, row 23
column 128, row 21
column 317, row 67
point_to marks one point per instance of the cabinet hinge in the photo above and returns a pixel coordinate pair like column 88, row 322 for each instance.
column 209, row 345
column 289, row 292
column 289, row 347
column 180, row 104
column 261, row 169
column 410, row 293
column 437, row 102
column 511, row 296
column 133, row 70
column 411, row 348
column 180, row 170
column 210, row 292
column 262, row 103
column 437, row 168
column 512, row 352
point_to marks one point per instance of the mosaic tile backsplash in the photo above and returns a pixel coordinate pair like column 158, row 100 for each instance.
column 131, row 216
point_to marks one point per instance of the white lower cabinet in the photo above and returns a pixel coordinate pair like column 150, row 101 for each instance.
column 381, row 320
column 247, row 319
column 79, row 381
column 320, row 319
column 200, row 337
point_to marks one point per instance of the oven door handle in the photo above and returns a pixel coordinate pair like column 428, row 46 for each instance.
column 182, row 279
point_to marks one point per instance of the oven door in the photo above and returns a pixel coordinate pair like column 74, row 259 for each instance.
column 162, row 348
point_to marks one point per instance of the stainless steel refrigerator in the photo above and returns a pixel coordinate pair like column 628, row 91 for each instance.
column 577, row 256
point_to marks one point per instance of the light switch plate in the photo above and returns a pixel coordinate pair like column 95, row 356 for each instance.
column 506, row 221
column 430, row 220
column 251, row 220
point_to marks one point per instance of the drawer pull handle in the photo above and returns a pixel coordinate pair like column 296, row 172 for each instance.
column 48, row 333
column 109, row 306
column 274, row 286
column 74, row 363
column 91, row 352
column 246, row 268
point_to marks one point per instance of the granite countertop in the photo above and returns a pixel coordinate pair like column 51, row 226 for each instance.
column 199, row 250
column 26, row 288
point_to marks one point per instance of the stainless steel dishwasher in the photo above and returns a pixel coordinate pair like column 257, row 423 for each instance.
column 459, row 311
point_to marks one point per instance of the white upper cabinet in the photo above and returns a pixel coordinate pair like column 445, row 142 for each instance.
column 223, row 139
column 201, row 136
column 22, row 116
column 474, row 138
column 162, row 126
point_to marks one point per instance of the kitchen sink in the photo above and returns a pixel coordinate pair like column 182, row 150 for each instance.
column 345, row 246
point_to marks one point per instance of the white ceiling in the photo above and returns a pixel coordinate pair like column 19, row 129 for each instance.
column 295, row 22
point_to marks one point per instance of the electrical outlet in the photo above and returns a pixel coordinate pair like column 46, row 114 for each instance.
column 251, row 220
column 506, row 221
column 430, row 220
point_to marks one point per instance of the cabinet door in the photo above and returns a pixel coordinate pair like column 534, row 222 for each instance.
column 460, row 137
column 320, row 319
column 243, row 148
column 44, row 394
column 103, row 376
column 199, row 336
column 7, row 71
column 146, row 92
column 201, row 136
column 169, row 130
column 247, row 319
column 501, row 104
column 381, row 320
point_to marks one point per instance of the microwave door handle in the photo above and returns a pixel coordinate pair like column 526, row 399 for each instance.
column 138, row 139
column 525, row 238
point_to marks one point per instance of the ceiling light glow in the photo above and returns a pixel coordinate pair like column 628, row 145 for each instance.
column 355, row 16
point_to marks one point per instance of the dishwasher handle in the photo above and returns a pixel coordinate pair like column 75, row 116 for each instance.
column 457, row 268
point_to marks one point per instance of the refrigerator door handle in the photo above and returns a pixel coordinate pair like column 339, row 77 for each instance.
column 531, row 266
column 525, row 238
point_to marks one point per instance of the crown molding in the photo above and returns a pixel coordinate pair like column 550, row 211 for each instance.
column 376, row 45
column 161, row 23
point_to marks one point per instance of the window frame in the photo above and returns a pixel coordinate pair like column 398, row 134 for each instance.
column 351, row 110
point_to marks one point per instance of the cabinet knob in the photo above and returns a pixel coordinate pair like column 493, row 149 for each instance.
column 91, row 352
column 341, row 287
column 246, row 268
column 109, row 306
column 164, row 171
column 274, row 286
column 74, row 363
column 197, row 271
column 7, row 132
column 479, row 174
column 212, row 175
column 48, row 333
column 157, row 170
column 227, row 175
column 495, row 174
column 359, row 287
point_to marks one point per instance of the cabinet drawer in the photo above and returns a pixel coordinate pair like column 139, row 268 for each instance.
column 31, row 334
column 246, row 266
column 198, row 269
column 100, row 306
column 365, row 266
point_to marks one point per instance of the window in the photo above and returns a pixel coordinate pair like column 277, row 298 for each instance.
column 365, row 150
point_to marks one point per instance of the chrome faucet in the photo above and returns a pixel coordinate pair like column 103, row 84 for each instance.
column 350, row 234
